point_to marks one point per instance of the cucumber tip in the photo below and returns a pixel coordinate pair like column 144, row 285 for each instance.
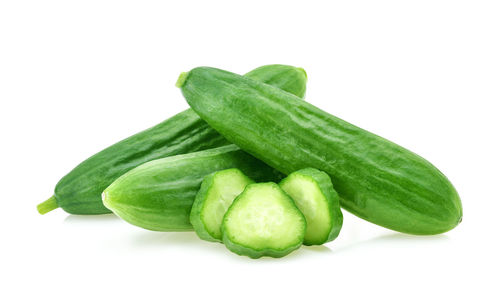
column 303, row 71
column 182, row 79
column 103, row 197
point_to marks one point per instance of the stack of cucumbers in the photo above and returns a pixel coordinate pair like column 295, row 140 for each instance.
column 254, row 166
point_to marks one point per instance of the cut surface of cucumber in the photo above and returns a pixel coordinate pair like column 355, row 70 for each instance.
column 263, row 221
column 216, row 194
column 314, row 195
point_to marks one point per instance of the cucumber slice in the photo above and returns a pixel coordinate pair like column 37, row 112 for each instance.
column 263, row 221
column 216, row 194
column 314, row 195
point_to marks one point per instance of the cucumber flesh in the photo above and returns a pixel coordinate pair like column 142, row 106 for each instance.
column 263, row 221
column 216, row 194
column 314, row 195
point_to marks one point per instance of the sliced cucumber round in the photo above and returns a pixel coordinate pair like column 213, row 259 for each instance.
column 216, row 194
column 263, row 221
column 314, row 195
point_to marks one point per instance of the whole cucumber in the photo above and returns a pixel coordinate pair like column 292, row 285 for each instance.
column 376, row 179
column 79, row 192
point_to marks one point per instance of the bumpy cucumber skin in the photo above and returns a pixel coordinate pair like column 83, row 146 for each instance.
column 376, row 179
column 253, row 253
column 323, row 181
column 159, row 194
column 195, row 216
column 79, row 192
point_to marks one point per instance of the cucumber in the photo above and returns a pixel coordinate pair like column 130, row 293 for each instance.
column 216, row 194
column 263, row 221
column 158, row 195
column 79, row 192
column 376, row 179
column 313, row 193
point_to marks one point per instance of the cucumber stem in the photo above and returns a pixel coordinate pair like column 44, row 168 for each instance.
column 181, row 79
column 48, row 205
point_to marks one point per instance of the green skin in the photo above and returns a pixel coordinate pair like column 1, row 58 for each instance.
column 79, row 192
column 159, row 194
column 376, row 179
column 256, row 251
column 323, row 182
column 198, row 211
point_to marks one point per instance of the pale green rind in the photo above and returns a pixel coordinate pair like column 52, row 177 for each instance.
column 79, row 192
column 376, row 179
column 330, row 199
column 195, row 214
column 158, row 195
column 256, row 254
column 202, row 216
column 263, row 246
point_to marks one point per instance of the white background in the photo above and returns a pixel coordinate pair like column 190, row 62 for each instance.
column 77, row 76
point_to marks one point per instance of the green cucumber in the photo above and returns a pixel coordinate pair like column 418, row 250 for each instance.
column 263, row 221
column 376, row 179
column 158, row 195
column 313, row 193
column 216, row 194
column 79, row 192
